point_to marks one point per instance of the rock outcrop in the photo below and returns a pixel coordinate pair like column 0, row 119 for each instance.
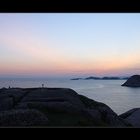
column 133, row 81
column 54, row 107
column 22, row 117
column 132, row 116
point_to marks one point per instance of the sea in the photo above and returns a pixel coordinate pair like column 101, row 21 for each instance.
column 119, row 98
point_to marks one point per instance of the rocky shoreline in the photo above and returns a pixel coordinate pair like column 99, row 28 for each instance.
column 58, row 107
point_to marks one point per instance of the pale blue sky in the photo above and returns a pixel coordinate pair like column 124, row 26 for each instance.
column 70, row 44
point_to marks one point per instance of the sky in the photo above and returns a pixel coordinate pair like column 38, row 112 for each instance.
column 69, row 44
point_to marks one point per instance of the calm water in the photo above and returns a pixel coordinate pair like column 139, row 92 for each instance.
column 110, row 92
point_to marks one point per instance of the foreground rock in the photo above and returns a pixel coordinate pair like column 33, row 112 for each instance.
column 133, row 81
column 55, row 107
column 132, row 116
column 23, row 118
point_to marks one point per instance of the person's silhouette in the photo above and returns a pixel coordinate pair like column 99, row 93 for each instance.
column 42, row 85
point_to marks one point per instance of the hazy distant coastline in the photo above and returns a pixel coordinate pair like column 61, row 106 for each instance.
column 101, row 78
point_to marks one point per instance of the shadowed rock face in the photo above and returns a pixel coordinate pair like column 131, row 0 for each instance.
column 54, row 107
column 132, row 116
column 23, row 118
column 133, row 81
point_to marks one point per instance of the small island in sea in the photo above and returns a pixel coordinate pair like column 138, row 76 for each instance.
column 76, row 79
column 133, row 81
column 91, row 77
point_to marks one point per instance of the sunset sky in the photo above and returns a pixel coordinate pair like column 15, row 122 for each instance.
column 56, row 44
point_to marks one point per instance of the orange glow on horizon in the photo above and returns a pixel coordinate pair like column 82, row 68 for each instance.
column 45, row 59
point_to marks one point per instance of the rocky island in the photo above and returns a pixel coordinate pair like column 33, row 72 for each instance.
column 133, row 81
column 52, row 107
column 91, row 78
column 101, row 78
column 76, row 79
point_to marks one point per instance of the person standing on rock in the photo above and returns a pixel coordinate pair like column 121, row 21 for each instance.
column 42, row 85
